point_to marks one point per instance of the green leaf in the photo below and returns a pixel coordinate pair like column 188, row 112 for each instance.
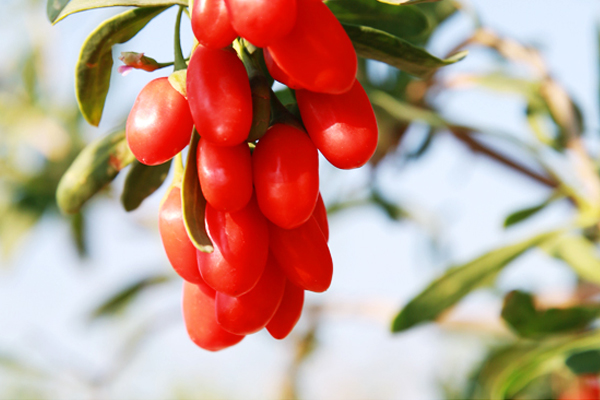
column 405, row 22
column 585, row 362
column 120, row 300
column 522, row 215
column 521, row 315
column 94, row 67
column 193, row 201
column 511, row 370
column 142, row 180
column 95, row 167
column 405, row 112
column 381, row 46
column 581, row 255
column 78, row 233
column 458, row 281
column 64, row 8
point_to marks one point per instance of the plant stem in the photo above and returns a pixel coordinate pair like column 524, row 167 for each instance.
column 179, row 59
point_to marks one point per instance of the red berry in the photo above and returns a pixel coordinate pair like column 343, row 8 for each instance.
column 288, row 313
column 342, row 126
column 241, row 248
column 320, row 214
column 201, row 322
column 303, row 255
column 277, row 73
column 317, row 53
column 211, row 24
column 252, row 311
column 160, row 124
column 262, row 22
column 219, row 95
column 225, row 174
column 286, row 175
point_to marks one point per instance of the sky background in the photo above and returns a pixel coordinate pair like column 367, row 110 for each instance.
column 459, row 199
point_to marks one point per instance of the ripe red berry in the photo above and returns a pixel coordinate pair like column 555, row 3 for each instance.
column 262, row 22
column 241, row 248
column 303, row 255
column 219, row 95
column 277, row 73
column 225, row 174
column 201, row 322
column 285, row 167
column 160, row 124
column 252, row 311
column 342, row 126
column 288, row 313
column 211, row 24
column 320, row 214
column 317, row 53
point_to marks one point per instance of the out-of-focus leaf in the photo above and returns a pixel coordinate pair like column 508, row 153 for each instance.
column 405, row 22
column 511, row 370
column 580, row 254
column 424, row 146
column 405, row 112
column 74, row 6
column 116, row 303
column 94, row 67
column 54, row 7
column 78, row 233
column 458, row 281
column 521, row 315
column 96, row 166
column 522, row 215
column 381, row 46
column 585, row 362
column 142, row 180
column 393, row 211
column 193, row 201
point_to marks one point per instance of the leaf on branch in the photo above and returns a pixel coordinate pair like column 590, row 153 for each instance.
column 94, row 67
column 141, row 181
column 64, row 8
column 521, row 315
column 459, row 281
column 96, row 166
column 120, row 300
column 381, row 46
column 405, row 22
column 522, row 215
column 193, row 201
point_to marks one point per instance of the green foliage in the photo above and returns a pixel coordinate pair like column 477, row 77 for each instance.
column 585, row 362
column 580, row 254
column 59, row 9
column 459, row 281
column 92, row 76
column 96, row 166
column 194, row 203
column 524, row 214
column 142, row 180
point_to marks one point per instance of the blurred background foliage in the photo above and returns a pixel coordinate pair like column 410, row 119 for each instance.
column 539, row 350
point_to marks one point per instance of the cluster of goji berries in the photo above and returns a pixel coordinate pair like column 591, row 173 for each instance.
column 264, row 213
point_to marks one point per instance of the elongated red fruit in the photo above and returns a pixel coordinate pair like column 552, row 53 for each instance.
column 160, row 123
column 219, row 95
column 285, row 167
column 288, row 313
column 211, row 24
column 241, row 248
column 276, row 72
column 317, row 53
column 225, row 174
column 180, row 250
column 252, row 311
column 342, row 126
column 303, row 255
column 320, row 214
column 201, row 322
column 262, row 21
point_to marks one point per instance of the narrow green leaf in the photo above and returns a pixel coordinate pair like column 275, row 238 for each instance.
column 120, row 300
column 381, row 46
column 405, row 112
column 94, row 67
column 521, row 315
column 510, row 371
column 522, row 215
column 68, row 7
column 585, row 362
column 581, row 255
column 193, row 201
column 78, row 233
column 458, row 281
column 142, row 180
column 95, row 167
column 54, row 8
column 405, row 22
